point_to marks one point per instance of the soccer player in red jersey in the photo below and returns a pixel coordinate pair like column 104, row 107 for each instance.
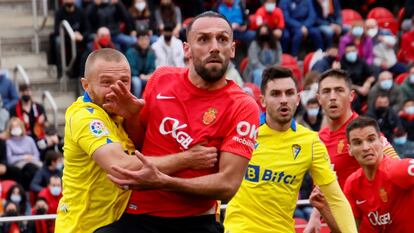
column 381, row 192
column 335, row 96
column 184, row 107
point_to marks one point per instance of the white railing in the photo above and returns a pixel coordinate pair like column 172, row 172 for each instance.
column 47, row 96
column 38, row 28
column 65, row 27
column 19, row 71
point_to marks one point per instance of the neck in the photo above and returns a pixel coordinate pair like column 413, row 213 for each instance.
column 276, row 125
column 335, row 124
column 199, row 82
column 370, row 171
column 312, row 119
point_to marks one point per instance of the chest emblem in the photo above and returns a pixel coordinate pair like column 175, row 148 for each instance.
column 295, row 150
column 383, row 195
column 340, row 146
column 209, row 116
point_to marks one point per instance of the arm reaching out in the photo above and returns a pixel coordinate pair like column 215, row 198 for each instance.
column 317, row 199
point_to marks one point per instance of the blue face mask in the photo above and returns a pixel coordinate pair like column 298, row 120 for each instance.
column 270, row 7
column 409, row 110
column 351, row 56
column 313, row 112
column 400, row 140
column 55, row 191
column 357, row 31
column 386, row 84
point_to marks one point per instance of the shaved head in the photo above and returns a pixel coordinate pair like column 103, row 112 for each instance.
column 105, row 54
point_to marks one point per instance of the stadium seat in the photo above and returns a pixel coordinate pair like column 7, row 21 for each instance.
column 349, row 17
column 300, row 224
column 187, row 21
column 306, row 63
column 5, row 186
column 243, row 65
column 290, row 62
column 401, row 78
column 400, row 15
column 385, row 19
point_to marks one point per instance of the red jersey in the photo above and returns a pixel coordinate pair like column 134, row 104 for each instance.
column 51, row 200
column 384, row 204
column 179, row 115
column 274, row 20
column 337, row 144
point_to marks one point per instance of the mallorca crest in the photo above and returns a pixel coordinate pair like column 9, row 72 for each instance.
column 383, row 195
column 295, row 150
column 209, row 116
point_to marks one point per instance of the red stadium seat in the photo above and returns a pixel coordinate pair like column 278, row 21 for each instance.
column 300, row 224
column 400, row 15
column 306, row 62
column 384, row 18
column 252, row 22
column 243, row 65
column 290, row 62
column 5, row 186
column 187, row 21
column 349, row 17
column 401, row 78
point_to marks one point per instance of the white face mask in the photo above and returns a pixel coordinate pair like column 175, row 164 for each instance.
column 409, row 110
column 313, row 112
column 140, row 6
column 55, row 191
column 390, row 40
column 270, row 7
column 372, row 32
column 16, row 132
column 16, row 198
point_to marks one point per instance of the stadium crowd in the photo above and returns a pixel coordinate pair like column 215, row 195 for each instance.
column 371, row 40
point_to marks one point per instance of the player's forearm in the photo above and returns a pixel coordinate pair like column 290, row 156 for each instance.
column 329, row 219
column 339, row 206
column 171, row 163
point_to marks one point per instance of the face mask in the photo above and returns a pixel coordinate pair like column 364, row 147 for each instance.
column 68, row 5
column 16, row 198
column 372, row 32
column 381, row 110
column 386, row 84
column 11, row 213
column 351, row 56
column 41, row 211
column 140, row 6
column 409, row 110
column 412, row 78
column 400, row 140
column 59, row 166
column 104, row 41
column 55, row 191
column 357, row 31
column 270, row 7
column 389, row 40
column 167, row 38
column 26, row 98
column 16, row 132
column 313, row 112
column 264, row 37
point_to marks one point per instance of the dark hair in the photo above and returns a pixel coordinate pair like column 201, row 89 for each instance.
column 24, row 87
column 350, row 44
column 271, row 41
column 276, row 72
column 338, row 74
column 22, row 205
column 169, row 26
column 312, row 101
column 361, row 122
column 51, row 156
column 210, row 14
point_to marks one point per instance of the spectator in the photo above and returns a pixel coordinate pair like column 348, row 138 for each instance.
column 407, row 24
column 31, row 113
column 407, row 118
column 407, row 87
column 168, row 13
column 387, row 119
column 328, row 61
column 11, row 209
column 52, row 166
column 8, row 90
column 233, row 74
column 363, row 43
column 76, row 19
column 141, row 58
column 52, row 193
column 51, row 141
column 17, row 195
column 385, row 57
column 406, row 53
column 263, row 51
column 168, row 49
column 360, row 73
column 4, row 117
column 41, row 226
column 272, row 16
column 234, row 10
column 8, row 172
column 403, row 146
column 300, row 18
column 110, row 14
column 142, row 18
column 328, row 19
column 386, row 85
column 373, row 31
column 312, row 117
column 22, row 151
column 310, row 87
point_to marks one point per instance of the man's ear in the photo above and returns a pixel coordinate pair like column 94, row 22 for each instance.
column 187, row 50
column 85, row 83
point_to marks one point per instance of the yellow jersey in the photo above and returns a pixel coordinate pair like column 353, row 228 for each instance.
column 90, row 200
column 266, row 199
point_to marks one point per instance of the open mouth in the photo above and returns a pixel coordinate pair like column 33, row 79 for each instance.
column 368, row 156
column 284, row 110
column 333, row 106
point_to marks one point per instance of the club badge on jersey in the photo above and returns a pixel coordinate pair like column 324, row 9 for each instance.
column 209, row 116
column 383, row 195
column 98, row 129
column 295, row 150
column 340, row 146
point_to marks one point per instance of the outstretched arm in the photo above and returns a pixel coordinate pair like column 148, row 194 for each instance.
column 317, row 199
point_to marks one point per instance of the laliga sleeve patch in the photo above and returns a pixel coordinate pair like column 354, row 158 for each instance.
column 98, row 129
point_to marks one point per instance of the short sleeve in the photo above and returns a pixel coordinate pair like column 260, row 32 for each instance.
column 244, row 126
column 401, row 172
column 321, row 168
column 91, row 130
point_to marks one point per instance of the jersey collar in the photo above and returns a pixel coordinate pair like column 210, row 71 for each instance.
column 86, row 98
column 263, row 121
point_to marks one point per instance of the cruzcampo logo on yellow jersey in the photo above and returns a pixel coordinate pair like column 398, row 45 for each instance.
column 295, row 150
column 98, row 129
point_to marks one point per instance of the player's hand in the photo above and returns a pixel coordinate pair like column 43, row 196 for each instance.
column 146, row 178
column 122, row 102
column 317, row 199
column 314, row 224
column 201, row 157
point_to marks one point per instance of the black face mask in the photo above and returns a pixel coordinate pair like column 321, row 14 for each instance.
column 381, row 110
column 26, row 98
column 11, row 213
column 41, row 211
column 167, row 38
column 68, row 5
column 264, row 37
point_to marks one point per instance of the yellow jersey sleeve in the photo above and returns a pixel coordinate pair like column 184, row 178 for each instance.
column 321, row 169
column 91, row 131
